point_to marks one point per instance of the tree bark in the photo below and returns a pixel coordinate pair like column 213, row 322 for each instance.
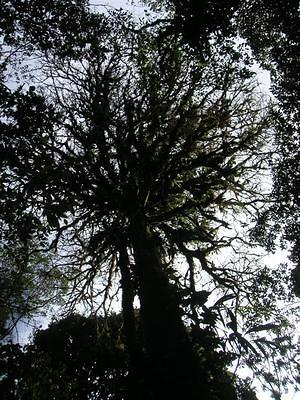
column 172, row 362
column 136, row 382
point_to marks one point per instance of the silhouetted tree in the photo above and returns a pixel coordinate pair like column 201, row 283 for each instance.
column 272, row 31
column 75, row 358
column 86, row 358
column 130, row 153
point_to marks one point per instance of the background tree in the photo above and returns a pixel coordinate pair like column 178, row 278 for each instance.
column 275, row 44
column 25, row 283
column 271, row 30
column 86, row 358
column 27, row 280
column 198, row 21
column 139, row 153
column 75, row 358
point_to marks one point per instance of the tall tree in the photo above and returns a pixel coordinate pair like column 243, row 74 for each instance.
column 27, row 282
column 131, row 153
column 272, row 31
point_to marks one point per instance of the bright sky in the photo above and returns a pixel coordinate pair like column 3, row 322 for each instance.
column 124, row 4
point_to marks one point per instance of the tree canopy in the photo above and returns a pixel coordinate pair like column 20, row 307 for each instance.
column 271, row 30
column 86, row 358
column 129, row 163
column 75, row 358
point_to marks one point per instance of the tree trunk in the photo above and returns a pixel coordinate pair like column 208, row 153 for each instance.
column 172, row 362
column 136, row 382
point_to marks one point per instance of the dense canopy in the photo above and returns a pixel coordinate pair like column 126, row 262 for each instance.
column 136, row 171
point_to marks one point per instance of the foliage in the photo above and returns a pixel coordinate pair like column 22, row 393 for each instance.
column 273, row 34
column 26, row 275
column 86, row 358
column 26, row 286
column 75, row 358
column 271, row 30
column 129, row 154
column 199, row 21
